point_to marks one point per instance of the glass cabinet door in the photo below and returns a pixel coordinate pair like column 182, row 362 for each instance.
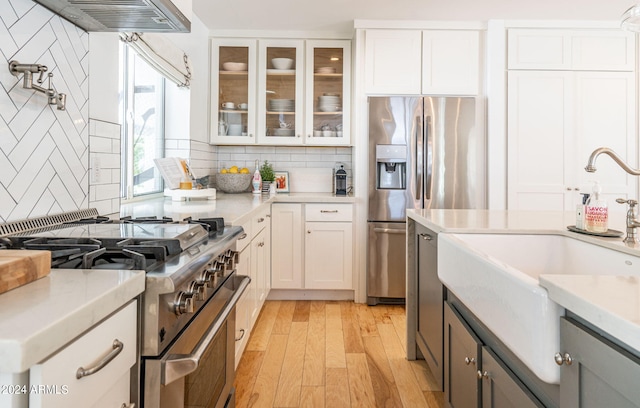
column 327, row 99
column 280, row 94
column 233, row 98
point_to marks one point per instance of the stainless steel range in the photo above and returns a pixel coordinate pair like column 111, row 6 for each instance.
column 188, row 307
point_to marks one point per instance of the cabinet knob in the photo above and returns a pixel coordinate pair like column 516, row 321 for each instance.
column 563, row 358
column 576, row 188
column 482, row 374
column 568, row 188
column 468, row 360
column 297, row 135
column 308, row 231
column 426, row 237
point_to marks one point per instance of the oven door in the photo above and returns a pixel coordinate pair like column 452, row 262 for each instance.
column 198, row 369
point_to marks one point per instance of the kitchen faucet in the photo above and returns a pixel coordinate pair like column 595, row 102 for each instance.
column 591, row 164
column 54, row 98
column 632, row 222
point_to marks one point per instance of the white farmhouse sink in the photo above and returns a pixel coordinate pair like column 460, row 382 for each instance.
column 496, row 277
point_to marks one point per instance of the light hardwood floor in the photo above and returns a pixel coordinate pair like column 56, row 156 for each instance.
column 331, row 354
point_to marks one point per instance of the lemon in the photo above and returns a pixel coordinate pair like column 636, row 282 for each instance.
column 233, row 170
column 223, row 171
column 244, row 170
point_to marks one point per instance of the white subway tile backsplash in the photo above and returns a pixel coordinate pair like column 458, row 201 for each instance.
column 31, row 168
column 107, row 191
column 100, row 144
column 43, row 151
column 7, row 204
column 8, row 171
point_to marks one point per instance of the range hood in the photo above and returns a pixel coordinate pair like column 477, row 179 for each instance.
column 160, row 16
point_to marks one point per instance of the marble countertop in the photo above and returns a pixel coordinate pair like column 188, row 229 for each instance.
column 39, row 318
column 234, row 208
column 611, row 303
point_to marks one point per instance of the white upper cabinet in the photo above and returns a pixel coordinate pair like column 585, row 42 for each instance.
column 393, row 61
column 233, row 91
column 328, row 92
column 576, row 50
column 281, row 92
column 450, row 62
column 414, row 62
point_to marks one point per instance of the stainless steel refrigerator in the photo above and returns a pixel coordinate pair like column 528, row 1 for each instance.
column 424, row 153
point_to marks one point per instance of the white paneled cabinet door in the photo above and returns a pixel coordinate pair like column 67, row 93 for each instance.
column 328, row 255
column 286, row 246
column 393, row 61
column 450, row 62
column 235, row 83
column 280, row 92
column 605, row 112
column 539, row 140
column 247, row 307
column 555, row 120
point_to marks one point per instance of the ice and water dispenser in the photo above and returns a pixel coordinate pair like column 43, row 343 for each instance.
column 391, row 167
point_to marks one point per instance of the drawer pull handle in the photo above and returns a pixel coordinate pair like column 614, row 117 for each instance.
column 260, row 219
column 468, row 360
column 117, row 349
column 328, row 211
column 426, row 237
column 125, row 405
column 243, row 236
column 241, row 335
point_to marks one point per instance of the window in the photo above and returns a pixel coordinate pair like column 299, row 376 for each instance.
column 143, row 106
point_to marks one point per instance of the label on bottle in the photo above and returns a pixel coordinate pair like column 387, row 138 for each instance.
column 597, row 219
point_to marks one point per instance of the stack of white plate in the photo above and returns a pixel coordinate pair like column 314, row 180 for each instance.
column 329, row 103
column 325, row 70
column 282, row 105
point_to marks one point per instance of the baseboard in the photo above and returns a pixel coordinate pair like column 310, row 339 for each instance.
column 305, row 294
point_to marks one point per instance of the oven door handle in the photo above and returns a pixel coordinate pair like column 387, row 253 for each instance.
column 180, row 365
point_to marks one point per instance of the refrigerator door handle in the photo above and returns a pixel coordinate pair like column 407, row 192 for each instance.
column 389, row 230
column 428, row 153
column 419, row 158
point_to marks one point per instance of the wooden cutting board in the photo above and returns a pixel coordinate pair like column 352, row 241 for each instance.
column 21, row 266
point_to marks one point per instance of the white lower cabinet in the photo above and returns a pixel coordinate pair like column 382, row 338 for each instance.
column 328, row 255
column 253, row 261
column 246, row 304
column 323, row 259
column 111, row 344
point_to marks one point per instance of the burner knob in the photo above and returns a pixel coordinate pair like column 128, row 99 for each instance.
column 198, row 289
column 183, row 303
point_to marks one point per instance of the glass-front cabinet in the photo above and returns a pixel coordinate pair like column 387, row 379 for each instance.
column 233, row 91
column 281, row 92
column 327, row 99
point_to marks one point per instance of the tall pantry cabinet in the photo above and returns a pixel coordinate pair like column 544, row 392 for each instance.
column 569, row 92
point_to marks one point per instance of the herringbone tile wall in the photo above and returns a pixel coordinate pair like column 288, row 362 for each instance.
column 44, row 152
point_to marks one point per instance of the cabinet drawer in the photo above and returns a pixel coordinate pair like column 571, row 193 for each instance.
column 245, row 238
column 260, row 220
column 328, row 212
column 58, row 374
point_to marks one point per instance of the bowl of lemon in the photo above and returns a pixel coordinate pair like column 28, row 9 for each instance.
column 234, row 180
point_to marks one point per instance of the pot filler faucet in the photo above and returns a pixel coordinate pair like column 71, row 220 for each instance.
column 55, row 98
column 632, row 222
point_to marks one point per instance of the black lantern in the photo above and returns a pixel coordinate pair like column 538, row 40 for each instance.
column 341, row 181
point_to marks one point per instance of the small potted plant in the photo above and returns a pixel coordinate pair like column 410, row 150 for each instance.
column 268, row 176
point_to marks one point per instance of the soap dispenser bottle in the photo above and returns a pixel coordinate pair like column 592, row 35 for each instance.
column 256, row 182
column 596, row 211
column 580, row 209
